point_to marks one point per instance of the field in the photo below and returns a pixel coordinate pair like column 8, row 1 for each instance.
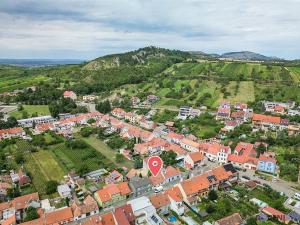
column 40, row 110
column 42, row 167
column 107, row 151
column 77, row 158
column 245, row 92
column 12, row 78
column 57, row 160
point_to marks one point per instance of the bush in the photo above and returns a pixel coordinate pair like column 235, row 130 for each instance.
column 51, row 187
column 31, row 214
column 76, row 144
column 212, row 195
column 210, row 208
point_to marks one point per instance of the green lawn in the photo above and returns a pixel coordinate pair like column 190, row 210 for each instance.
column 40, row 110
column 245, row 92
column 107, row 151
column 48, row 165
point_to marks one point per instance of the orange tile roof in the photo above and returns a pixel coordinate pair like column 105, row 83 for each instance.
column 5, row 205
column 266, row 158
column 279, row 108
column 221, row 174
column 124, row 212
column 190, row 143
column 273, row 212
column 175, row 194
column 89, row 204
column 38, row 221
column 105, row 219
column 9, row 221
column 124, row 188
column 159, row 200
column 108, row 219
column 58, row 216
column 104, row 195
column 68, row 93
column 234, row 219
column 15, row 130
column 266, row 118
column 195, row 185
column 22, row 201
column 177, row 149
column 132, row 173
column 196, row 156
column 171, row 172
column 175, row 135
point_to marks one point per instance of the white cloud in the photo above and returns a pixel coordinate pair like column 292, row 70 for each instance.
column 89, row 28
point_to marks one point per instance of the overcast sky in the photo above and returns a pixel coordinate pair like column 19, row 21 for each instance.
column 85, row 29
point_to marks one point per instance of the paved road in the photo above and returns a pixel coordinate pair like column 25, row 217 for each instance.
column 277, row 184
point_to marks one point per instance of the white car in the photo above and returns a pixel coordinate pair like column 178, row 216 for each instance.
column 297, row 196
column 158, row 189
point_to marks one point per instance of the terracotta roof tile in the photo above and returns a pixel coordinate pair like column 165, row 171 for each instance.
column 159, row 200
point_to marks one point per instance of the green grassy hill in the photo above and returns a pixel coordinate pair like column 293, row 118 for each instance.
column 177, row 77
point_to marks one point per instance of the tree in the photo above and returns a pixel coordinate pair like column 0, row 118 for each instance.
column 20, row 107
column 83, row 169
column 51, row 187
column 11, row 122
column 261, row 149
column 103, row 107
column 138, row 163
column 120, row 158
column 251, row 221
column 212, row 195
column 13, row 192
column 168, row 157
column 31, row 214
column 91, row 120
column 19, row 157
column 210, row 208
column 86, row 131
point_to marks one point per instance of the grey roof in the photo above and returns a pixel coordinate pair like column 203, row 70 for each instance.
column 138, row 182
column 294, row 216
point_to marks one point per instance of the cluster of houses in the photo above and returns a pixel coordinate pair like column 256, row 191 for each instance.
column 282, row 108
column 235, row 115
column 150, row 99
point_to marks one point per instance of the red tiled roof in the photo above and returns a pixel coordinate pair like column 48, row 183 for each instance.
column 196, row 156
column 195, row 185
column 22, row 201
column 58, row 216
column 175, row 194
column 159, row 200
column 273, row 212
column 234, row 219
column 15, row 130
column 190, row 143
column 127, row 211
column 9, row 221
column 177, row 149
column 266, row 118
column 68, row 93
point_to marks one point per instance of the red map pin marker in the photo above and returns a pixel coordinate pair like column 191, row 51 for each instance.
column 155, row 164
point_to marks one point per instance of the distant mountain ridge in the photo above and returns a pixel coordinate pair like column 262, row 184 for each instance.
column 247, row 55
column 39, row 62
column 241, row 55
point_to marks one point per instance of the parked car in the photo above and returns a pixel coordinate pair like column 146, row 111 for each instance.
column 158, row 189
column 246, row 177
column 297, row 196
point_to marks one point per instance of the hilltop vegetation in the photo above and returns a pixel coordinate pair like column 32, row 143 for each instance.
column 177, row 77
